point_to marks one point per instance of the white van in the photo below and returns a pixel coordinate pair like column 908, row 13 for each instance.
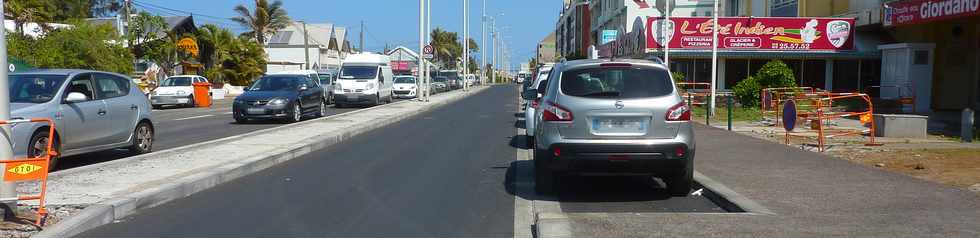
column 365, row 79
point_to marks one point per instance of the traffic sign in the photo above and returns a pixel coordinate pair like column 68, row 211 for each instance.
column 428, row 50
column 789, row 115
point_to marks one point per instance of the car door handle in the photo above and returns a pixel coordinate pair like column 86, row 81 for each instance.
column 102, row 112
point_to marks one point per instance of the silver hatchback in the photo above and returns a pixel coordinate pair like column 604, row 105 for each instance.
column 612, row 117
column 92, row 111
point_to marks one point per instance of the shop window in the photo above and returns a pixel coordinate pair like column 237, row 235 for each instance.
column 845, row 76
column 870, row 75
column 815, row 74
column 783, row 8
column 920, row 57
column 735, row 71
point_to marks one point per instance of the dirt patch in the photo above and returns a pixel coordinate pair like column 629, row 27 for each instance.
column 23, row 226
column 956, row 167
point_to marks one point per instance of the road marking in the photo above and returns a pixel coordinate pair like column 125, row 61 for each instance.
column 227, row 113
column 195, row 117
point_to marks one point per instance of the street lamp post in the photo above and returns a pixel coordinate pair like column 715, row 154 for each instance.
column 7, row 189
column 483, row 43
column 419, row 86
column 466, row 44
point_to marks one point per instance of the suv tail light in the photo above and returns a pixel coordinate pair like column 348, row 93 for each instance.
column 554, row 112
column 679, row 112
column 535, row 103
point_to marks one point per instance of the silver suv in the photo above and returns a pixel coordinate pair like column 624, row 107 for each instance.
column 612, row 117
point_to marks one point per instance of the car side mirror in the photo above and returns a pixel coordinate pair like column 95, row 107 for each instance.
column 531, row 94
column 76, row 97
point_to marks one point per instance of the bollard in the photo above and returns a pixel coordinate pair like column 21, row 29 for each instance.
column 729, row 113
column 966, row 131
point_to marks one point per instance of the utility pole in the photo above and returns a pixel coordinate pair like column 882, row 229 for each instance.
column 362, row 37
column 306, row 44
column 8, row 190
column 493, row 36
column 666, row 37
column 420, row 87
column 428, row 41
column 483, row 44
column 466, row 43
column 714, row 61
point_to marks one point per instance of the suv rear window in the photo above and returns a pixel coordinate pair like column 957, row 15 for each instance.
column 625, row 82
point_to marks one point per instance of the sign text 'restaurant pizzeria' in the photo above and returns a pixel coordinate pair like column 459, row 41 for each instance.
column 744, row 33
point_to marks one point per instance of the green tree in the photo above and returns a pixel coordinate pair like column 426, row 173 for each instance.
column 143, row 29
column 447, row 47
column 774, row 74
column 246, row 62
column 83, row 46
column 266, row 20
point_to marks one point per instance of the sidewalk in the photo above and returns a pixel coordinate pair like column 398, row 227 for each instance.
column 812, row 195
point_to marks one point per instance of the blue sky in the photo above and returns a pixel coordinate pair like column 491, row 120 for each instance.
column 524, row 22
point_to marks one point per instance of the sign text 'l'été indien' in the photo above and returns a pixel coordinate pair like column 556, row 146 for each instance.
column 744, row 33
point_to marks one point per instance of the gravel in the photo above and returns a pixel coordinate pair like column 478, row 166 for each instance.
column 25, row 226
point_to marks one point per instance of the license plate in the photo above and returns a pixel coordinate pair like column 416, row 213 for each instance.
column 181, row 100
column 619, row 125
column 352, row 98
column 256, row 111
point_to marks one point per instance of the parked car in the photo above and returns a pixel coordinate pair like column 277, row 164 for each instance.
column 613, row 117
column 93, row 111
column 365, row 79
column 453, row 79
column 287, row 97
column 176, row 91
column 312, row 74
column 439, row 84
column 405, row 87
column 531, row 105
column 326, row 82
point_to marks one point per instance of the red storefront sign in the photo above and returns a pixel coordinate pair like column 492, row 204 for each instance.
column 922, row 11
column 400, row 65
column 743, row 33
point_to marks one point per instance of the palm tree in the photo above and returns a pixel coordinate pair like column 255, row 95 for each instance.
column 267, row 19
column 215, row 42
column 447, row 47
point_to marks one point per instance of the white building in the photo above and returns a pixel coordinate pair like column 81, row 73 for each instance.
column 327, row 46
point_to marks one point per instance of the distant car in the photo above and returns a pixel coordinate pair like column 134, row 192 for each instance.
column 530, row 106
column 613, row 117
column 405, row 87
column 92, row 110
column 176, row 91
column 326, row 82
column 287, row 97
column 440, row 84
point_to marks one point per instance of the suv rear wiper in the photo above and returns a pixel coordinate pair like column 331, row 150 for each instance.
column 603, row 94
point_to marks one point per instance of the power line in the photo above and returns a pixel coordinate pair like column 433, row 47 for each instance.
column 183, row 11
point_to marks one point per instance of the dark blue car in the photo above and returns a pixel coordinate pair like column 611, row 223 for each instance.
column 287, row 97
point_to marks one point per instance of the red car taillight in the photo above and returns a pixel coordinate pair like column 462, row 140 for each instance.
column 554, row 112
column 535, row 103
column 679, row 112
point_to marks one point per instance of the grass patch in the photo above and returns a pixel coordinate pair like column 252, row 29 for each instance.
column 743, row 114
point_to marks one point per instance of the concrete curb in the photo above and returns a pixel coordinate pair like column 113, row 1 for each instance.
column 109, row 210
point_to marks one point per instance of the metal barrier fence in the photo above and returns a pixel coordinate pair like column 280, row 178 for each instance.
column 31, row 169
column 824, row 111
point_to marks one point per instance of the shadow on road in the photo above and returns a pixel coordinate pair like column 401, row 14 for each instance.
column 520, row 124
column 519, row 114
column 519, row 142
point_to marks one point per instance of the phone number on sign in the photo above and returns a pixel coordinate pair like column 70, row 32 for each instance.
column 790, row 46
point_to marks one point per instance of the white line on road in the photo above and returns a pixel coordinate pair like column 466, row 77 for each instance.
column 196, row 117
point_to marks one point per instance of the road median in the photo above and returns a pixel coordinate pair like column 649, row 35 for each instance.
column 116, row 189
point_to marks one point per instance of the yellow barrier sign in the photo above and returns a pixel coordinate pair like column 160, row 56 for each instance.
column 29, row 170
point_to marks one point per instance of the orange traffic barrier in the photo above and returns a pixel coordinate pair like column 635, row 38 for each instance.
column 824, row 112
column 771, row 98
column 30, row 169
column 202, row 94
column 695, row 93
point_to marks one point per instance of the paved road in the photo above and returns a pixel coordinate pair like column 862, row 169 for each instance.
column 440, row 174
column 184, row 126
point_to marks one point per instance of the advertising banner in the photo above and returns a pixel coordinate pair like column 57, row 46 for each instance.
column 745, row 33
column 921, row 11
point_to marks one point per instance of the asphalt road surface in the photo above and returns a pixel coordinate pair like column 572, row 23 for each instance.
column 438, row 174
column 177, row 127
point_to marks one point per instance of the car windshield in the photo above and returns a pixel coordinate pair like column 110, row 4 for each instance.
column 34, row 88
column 409, row 80
column 619, row 82
column 439, row 79
column 176, row 81
column 276, row 83
column 358, row 72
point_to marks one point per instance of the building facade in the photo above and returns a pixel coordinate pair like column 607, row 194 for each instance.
column 326, row 46
column 546, row 49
